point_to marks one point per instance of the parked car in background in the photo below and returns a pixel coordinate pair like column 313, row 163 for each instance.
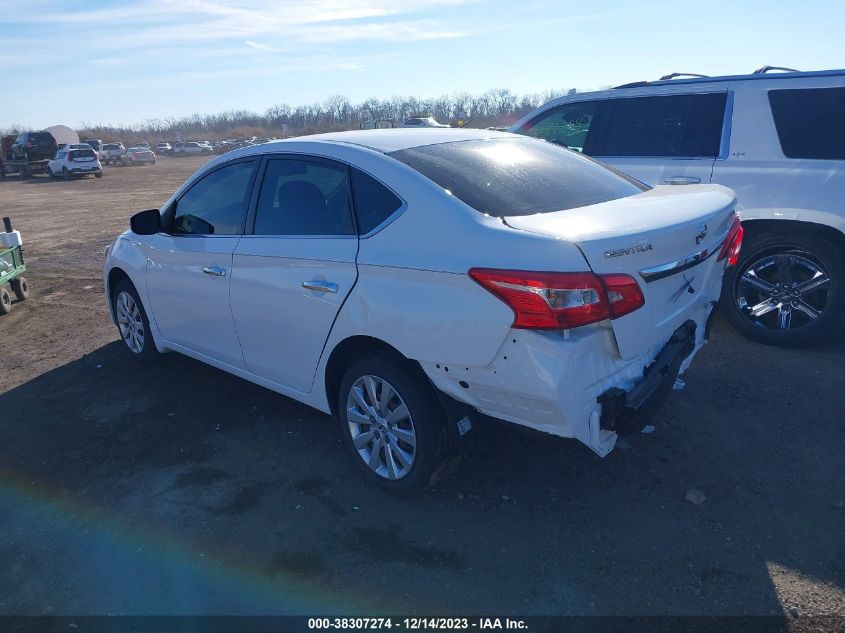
column 69, row 163
column 33, row 146
column 191, row 148
column 137, row 156
column 409, row 281
column 96, row 143
column 422, row 122
column 164, row 148
column 110, row 153
column 778, row 139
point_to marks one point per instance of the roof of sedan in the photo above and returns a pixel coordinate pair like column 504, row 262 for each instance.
column 393, row 140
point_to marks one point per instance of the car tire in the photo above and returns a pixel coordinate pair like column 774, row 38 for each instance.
column 20, row 287
column 99, row 174
column 132, row 322
column 50, row 172
column 65, row 173
column 5, row 301
column 788, row 289
column 418, row 452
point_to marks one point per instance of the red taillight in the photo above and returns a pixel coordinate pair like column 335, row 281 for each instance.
column 70, row 157
column 542, row 300
column 732, row 243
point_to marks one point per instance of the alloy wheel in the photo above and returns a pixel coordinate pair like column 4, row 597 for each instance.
column 782, row 289
column 381, row 427
column 129, row 322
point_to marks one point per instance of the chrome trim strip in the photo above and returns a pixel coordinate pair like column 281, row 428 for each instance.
column 673, row 268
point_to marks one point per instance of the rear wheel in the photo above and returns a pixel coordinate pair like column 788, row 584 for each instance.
column 132, row 322
column 65, row 173
column 393, row 424
column 787, row 289
column 5, row 301
column 99, row 174
column 20, row 287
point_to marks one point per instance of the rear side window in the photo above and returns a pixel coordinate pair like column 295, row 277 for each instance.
column 214, row 205
column 517, row 176
column 304, row 197
column 810, row 122
column 374, row 202
column 684, row 126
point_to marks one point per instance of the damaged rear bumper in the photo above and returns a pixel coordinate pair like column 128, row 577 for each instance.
column 629, row 411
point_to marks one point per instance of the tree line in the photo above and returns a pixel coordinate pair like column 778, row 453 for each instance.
column 496, row 107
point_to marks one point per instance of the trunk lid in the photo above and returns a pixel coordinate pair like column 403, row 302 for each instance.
column 667, row 238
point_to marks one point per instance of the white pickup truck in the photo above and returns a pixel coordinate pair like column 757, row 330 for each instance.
column 110, row 153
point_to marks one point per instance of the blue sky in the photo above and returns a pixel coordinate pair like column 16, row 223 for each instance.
column 122, row 62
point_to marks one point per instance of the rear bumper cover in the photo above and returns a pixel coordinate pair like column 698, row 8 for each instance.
column 629, row 411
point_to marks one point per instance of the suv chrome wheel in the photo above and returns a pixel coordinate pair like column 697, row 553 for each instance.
column 381, row 427
column 129, row 322
column 782, row 290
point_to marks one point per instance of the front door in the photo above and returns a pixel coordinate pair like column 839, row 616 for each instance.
column 189, row 267
column 293, row 272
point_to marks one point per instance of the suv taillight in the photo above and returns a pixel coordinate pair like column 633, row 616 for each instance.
column 732, row 243
column 70, row 157
column 542, row 300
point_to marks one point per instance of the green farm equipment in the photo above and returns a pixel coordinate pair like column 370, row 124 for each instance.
column 11, row 267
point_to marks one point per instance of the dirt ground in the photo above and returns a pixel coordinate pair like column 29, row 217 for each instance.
column 180, row 489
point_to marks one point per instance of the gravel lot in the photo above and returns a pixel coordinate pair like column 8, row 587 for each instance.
column 181, row 489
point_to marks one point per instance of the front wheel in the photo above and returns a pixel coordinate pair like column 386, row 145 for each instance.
column 20, row 287
column 787, row 289
column 393, row 424
column 132, row 322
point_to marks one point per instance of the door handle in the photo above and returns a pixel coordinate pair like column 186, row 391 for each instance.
column 682, row 180
column 214, row 271
column 320, row 286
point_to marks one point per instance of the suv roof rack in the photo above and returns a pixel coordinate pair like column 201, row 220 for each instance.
column 764, row 69
column 673, row 75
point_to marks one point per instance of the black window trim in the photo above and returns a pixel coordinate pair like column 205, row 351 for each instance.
column 249, row 230
column 167, row 213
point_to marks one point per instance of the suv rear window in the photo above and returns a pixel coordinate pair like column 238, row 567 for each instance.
column 517, row 176
column 82, row 153
column 684, row 125
column 810, row 122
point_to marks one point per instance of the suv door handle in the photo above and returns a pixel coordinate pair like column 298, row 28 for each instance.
column 320, row 286
column 214, row 271
column 682, row 180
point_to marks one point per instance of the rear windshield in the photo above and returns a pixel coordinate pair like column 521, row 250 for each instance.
column 82, row 153
column 519, row 176
column 42, row 137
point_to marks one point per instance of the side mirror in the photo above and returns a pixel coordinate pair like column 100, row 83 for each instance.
column 146, row 222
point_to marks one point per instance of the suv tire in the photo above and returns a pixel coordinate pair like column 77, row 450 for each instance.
column 403, row 443
column 787, row 289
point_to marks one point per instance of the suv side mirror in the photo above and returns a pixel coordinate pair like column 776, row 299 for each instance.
column 146, row 222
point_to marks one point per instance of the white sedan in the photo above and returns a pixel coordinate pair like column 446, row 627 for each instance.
column 412, row 283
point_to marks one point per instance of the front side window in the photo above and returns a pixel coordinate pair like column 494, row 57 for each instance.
column 810, row 122
column 300, row 196
column 566, row 125
column 374, row 202
column 215, row 204
column 517, row 176
column 683, row 126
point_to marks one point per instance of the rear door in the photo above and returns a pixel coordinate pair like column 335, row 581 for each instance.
column 294, row 267
column 663, row 139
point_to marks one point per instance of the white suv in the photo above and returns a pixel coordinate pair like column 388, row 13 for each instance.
column 191, row 148
column 777, row 139
column 406, row 281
